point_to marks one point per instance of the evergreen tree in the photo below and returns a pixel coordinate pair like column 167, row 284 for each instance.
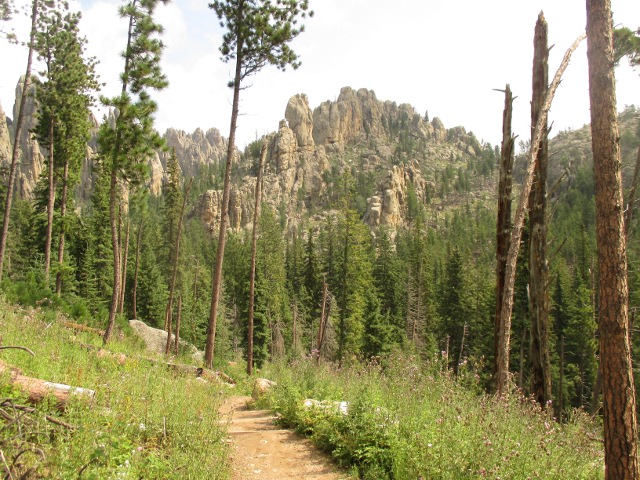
column 63, row 119
column 127, row 142
column 258, row 34
column 17, row 131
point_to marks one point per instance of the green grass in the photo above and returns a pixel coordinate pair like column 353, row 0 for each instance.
column 410, row 420
column 144, row 422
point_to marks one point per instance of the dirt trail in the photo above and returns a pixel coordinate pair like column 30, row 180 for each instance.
column 263, row 451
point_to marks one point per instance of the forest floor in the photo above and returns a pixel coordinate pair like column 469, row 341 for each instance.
column 261, row 450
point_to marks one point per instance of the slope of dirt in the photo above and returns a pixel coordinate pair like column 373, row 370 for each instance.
column 263, row 451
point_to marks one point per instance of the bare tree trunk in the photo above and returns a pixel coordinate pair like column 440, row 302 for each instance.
column 503, row 229
column 619, row 406
column 178, row 321
column 113, row 222
column 174, row 273
column 323, row 315
column 134, row 292
column 14, row 154
column 538, row 266
column 252, row 272
column 504, row 336
column 561, row 382
column 125, row 261
column 216, row 283
column 50, row 205
column 63, row 213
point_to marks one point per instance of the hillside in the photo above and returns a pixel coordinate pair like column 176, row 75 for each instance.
column 378, row 216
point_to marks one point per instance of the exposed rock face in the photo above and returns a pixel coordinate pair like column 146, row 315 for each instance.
column 194, row 150
column 388, row 146
column 359, row 116
column 5, row 139
column 31, row 160
column 389, row 206
column 356, row 128
column 300, row 119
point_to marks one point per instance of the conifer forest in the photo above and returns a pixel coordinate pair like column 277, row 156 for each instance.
column 359, row 234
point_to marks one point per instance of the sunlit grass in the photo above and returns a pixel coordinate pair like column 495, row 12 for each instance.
column 145, row 421
column 408, row 419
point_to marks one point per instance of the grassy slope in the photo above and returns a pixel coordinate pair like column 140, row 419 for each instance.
column 145, row 422
column 408, row 419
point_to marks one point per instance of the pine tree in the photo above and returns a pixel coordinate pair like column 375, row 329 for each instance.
column 63, row 119
column 258, row 34
column 126, row 145
column 619, row 403
column 18, row 128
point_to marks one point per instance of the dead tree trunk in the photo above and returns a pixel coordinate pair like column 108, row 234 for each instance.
column 503, row 229
column 504, row 336
column 538, row 266
column 619, row 405
column 254, row 245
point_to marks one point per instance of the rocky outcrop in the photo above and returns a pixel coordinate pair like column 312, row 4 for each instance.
column 31, row 160
column 194, row 150
column 300, row 119
column 5, row 140
column 359, row 116
column 389, row 205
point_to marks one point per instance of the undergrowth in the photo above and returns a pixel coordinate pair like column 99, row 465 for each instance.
column 407, row 419
column 145, row 420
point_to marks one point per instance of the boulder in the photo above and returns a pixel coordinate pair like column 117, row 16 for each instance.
column 155, row 340
column 261, row 386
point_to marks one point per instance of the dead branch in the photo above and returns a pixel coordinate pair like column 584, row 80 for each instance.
column 26, row 409
column 502, row 374
column 19, row 348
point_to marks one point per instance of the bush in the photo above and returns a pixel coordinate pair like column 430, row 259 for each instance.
column 408, row 419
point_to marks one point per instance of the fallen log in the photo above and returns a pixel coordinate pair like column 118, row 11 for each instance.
column 199, row 372
column 83, row 328
column 37, row 389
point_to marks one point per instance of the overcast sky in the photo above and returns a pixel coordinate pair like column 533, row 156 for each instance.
column 441, row 56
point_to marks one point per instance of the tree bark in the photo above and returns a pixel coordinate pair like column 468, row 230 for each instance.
column 63, row 213
column 178, row 322
column 125, row 261
column 50, row 205
column 252, row 273
column 503, row 229
column 538, row 265
column 134, row 292
column 14, row 154
column 113, row 223
column 222, row 235
column 619, row 407
column 174, row 273
column 504, row 334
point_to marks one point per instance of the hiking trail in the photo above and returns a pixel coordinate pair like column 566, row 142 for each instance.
column 262, row 450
